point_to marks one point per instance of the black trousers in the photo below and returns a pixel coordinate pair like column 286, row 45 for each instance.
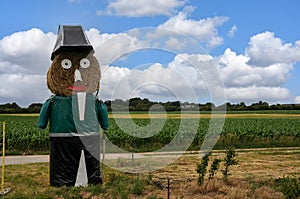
column 65, row 155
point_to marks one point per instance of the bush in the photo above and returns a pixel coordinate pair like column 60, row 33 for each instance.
column 228, row 161
column 289, row 186
column 201, row 169
column 138, row 187
column 214, row 168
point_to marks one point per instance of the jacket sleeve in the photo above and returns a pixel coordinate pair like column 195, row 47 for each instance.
column 102, row 115
column 44, row 114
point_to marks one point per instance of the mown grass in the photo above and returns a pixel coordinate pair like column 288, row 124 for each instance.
column 268, row 175
column 32, row 181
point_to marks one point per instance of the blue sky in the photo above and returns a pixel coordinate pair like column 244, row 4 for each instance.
column 254, row 44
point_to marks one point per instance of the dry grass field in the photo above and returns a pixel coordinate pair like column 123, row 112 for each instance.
column 253, row 177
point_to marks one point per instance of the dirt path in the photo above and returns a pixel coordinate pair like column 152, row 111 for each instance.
column 26, row 159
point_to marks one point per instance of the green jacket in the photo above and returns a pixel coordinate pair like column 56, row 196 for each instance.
column 64, row 118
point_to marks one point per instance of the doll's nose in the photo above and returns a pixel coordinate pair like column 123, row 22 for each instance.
column 77, row 76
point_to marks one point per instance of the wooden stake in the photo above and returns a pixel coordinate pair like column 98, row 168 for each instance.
column 3, row 156
column 168, row 188
column 7, row 190
column 103, row 155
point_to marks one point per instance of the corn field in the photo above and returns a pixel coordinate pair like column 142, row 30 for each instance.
column 23, row 135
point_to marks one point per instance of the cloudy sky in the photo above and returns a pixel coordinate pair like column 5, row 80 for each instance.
column 187, row 50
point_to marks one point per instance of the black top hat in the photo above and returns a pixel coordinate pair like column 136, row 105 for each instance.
column 71, row 38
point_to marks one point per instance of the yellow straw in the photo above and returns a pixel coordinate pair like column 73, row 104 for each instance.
column 3, row 156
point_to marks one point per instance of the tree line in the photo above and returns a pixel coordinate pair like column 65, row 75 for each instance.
column 138, row 104
column 15, row 108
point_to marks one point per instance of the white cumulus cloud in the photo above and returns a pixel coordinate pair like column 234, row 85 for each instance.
column 142, row 8
column 203, row 30
column 249, row 83
column 26, row 51
column 297, row 99
column 265, row 49
column 23, row 88
column 256, row 93
column 237, row 72
column 25, row 59
column 186, row 78
column 232, row 31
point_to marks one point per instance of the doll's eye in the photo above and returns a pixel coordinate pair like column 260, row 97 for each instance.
column 66, row 63
column 84, row 63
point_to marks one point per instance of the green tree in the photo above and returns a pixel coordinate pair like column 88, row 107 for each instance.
column 228, row 162
column 202, row 168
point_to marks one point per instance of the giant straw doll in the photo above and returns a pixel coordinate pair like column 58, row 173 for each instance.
column 74, row 110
